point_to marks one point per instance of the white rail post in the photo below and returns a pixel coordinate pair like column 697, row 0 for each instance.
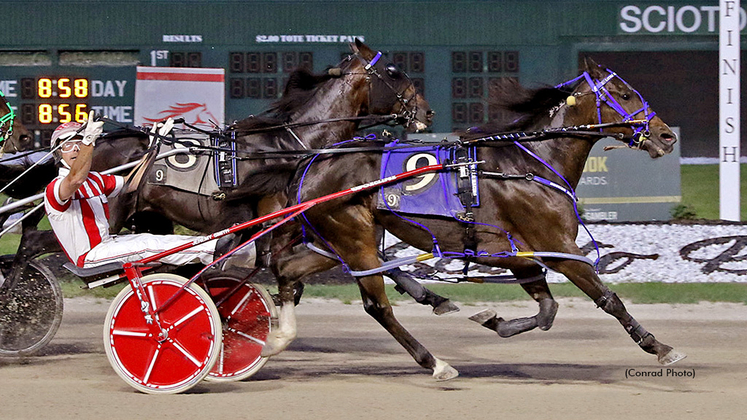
column 729, row 98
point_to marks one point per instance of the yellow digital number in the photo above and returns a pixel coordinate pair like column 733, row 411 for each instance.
column 44, row 88
column 81, row 112
column 45, row 113
column 81, row 88
column 63, row 87
column 65, row 115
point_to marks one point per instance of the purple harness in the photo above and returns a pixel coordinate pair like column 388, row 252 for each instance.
column 640, row 127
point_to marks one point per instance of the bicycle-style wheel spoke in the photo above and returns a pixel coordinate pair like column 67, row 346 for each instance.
column 146, row 377
column 128, row 333
column 243, row 300
column 247, row 312
column 247, row 336
column 187, row 317
column 185, row 352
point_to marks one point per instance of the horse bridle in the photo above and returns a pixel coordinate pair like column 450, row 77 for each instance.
column 641, row 132
column 6, row 119
column 407, row 115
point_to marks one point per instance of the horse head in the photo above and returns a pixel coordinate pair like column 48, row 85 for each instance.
column 607, row 99
column 391, row 91
column 14, row 137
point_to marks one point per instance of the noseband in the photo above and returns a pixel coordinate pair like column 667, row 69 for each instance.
column 406, row 115
column 641, row 132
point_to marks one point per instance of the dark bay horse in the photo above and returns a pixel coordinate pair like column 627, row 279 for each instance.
column 18, row 179
column 516, row 214
column 14, row 140
column 315, row 111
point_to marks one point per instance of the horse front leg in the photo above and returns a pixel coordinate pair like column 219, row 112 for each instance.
column 534, row 283
column 584, row 277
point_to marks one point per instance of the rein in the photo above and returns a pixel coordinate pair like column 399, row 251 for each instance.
column 379, row 118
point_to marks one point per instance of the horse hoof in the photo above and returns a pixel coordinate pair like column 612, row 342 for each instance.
column 671, row 358
column 546, row 315
column 269, row 350
column 484, row 316
column 443, row 371
column 275, row 343
column 446, row 307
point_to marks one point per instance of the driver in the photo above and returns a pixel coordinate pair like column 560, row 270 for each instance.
column 77, row 207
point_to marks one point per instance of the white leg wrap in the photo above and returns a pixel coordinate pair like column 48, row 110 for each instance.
column 280, row 338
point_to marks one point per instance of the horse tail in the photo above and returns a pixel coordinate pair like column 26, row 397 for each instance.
column 265, row 181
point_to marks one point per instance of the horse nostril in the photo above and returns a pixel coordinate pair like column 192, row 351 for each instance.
column 430, row 113
column 668, row 137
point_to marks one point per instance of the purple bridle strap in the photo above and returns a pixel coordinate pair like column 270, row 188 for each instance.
column 373, row 60
column 603, row 95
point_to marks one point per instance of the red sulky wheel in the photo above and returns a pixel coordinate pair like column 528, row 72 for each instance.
column 178, row 357
column 247, row 312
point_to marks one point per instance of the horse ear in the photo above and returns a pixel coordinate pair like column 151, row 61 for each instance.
column 360, row 48
column 592, row 67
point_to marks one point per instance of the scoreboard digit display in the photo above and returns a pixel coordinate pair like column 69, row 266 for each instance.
column 55, row 100
column 52, row 88
column 473, row 75
column 262, row 75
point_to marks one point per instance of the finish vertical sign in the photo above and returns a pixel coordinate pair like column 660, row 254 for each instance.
column 729, row 97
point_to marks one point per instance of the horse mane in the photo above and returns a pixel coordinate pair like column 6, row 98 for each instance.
column 301, row 86
column 527, row 107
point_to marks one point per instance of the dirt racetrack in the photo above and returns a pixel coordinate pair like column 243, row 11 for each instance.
column 345, row 366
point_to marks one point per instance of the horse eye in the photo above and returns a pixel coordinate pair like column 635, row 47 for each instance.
column 626, row 96
column 392, row 70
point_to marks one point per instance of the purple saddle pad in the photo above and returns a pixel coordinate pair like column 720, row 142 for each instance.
column 428, row 194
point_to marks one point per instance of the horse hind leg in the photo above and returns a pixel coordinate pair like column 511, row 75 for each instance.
column 405, row 283
column 540, row 292
column 376, row 304
column 289, row 270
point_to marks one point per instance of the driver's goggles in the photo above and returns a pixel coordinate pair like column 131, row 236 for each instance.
column 70, row 146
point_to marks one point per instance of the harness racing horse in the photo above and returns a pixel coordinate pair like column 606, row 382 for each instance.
column 314, row 111
column 13, row 135
column 15, row 138
column 519, row 215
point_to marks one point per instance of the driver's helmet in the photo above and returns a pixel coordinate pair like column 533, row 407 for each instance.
column 64, row 132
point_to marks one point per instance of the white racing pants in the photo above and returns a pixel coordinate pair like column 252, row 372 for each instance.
column 129, row 248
